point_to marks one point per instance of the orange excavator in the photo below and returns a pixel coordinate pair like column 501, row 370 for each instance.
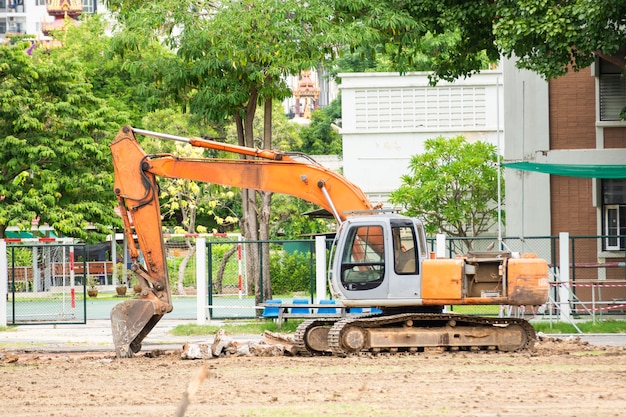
column 378, row 259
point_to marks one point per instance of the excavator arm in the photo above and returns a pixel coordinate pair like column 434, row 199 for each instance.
column 137, row 193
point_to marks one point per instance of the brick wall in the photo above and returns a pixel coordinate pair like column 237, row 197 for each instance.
column 573, row 111
column 571, row 206
column 572, row 126
column 614, row 137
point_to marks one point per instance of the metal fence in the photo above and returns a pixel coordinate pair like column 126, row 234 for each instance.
column 44, row 285
column 597, row 276
column 231, row 293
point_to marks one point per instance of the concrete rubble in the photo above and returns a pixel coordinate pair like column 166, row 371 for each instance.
column 272, row 344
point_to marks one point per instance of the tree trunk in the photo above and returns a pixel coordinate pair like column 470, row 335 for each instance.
column 220, row 271
column 265, row 209
column 250, row 221
column 180, row 282
column 264, row 234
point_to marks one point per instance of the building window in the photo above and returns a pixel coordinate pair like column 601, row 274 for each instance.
column 3, row 5
column 612, row 91
column 614, row 213
column 89, row 6
column 40, row 3
column 3, row 27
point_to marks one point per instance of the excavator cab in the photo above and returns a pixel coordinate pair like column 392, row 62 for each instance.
column 377, row 260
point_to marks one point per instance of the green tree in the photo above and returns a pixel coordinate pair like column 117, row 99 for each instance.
column 548, row 36
column 319, row 138
column 456, row 35
column 552, row 36
column 55, row 163
column 289, row 220
column 106, row 71
column 230, row 58
column 453, row 187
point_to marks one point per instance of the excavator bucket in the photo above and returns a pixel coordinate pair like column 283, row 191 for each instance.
column 131, row 321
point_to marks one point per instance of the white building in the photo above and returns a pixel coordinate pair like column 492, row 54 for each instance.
column 26, row 17
column 387, row 117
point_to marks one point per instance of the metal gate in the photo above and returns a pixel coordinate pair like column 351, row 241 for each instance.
column 45, row 286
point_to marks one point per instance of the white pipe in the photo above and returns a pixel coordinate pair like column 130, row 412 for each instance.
column 161, row 135
column 322, row 187
column 201, row 281
column 320, row 268
column 564, row 278
column 4, row 282
column 440, row 248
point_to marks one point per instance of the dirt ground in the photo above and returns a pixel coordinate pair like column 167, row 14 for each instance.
column 567, row 378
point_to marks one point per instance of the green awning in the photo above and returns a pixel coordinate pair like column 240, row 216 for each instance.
column 572, row 170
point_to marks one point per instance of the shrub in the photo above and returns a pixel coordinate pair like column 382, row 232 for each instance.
column 290, row 272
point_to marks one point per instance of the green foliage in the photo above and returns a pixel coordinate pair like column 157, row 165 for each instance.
column 550, row 35
column 547, row 35
column 319, row 138
column 239, row 327
column 456, row 35
column 109, row 77
column 452, row 186
column 290, row 272
column 217, row 70
column 288, row 220
column 285, row 134
column 55, row 163
column 19, row 257
column 431, row 53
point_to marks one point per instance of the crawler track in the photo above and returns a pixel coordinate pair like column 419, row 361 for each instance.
column 411, row 333
column 311, row 337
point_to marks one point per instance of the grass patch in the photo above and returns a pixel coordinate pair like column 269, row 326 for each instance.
column 239, row 327
column 8, row 328
column 258, row 327
column 606, row 326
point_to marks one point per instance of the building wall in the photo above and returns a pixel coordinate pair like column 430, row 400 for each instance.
column 614, row 137
column 572, row 126
column 572, row 111
column 386, row 118
column 527, row 194
column 556, row 122
column 571, row 206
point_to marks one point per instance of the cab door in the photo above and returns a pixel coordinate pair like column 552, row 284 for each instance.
column 404, row 260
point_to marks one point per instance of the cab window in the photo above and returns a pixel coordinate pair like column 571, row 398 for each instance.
column 405, row 257
column 363, row 265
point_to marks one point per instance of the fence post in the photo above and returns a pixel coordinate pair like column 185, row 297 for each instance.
column 201, row 283
column 320, row 268
column 441, row 246
column 4, row 282
column 564, row 284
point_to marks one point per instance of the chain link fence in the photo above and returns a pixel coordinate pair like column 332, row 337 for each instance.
column 45, row 284
column 598, row 276
column 231, row 292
